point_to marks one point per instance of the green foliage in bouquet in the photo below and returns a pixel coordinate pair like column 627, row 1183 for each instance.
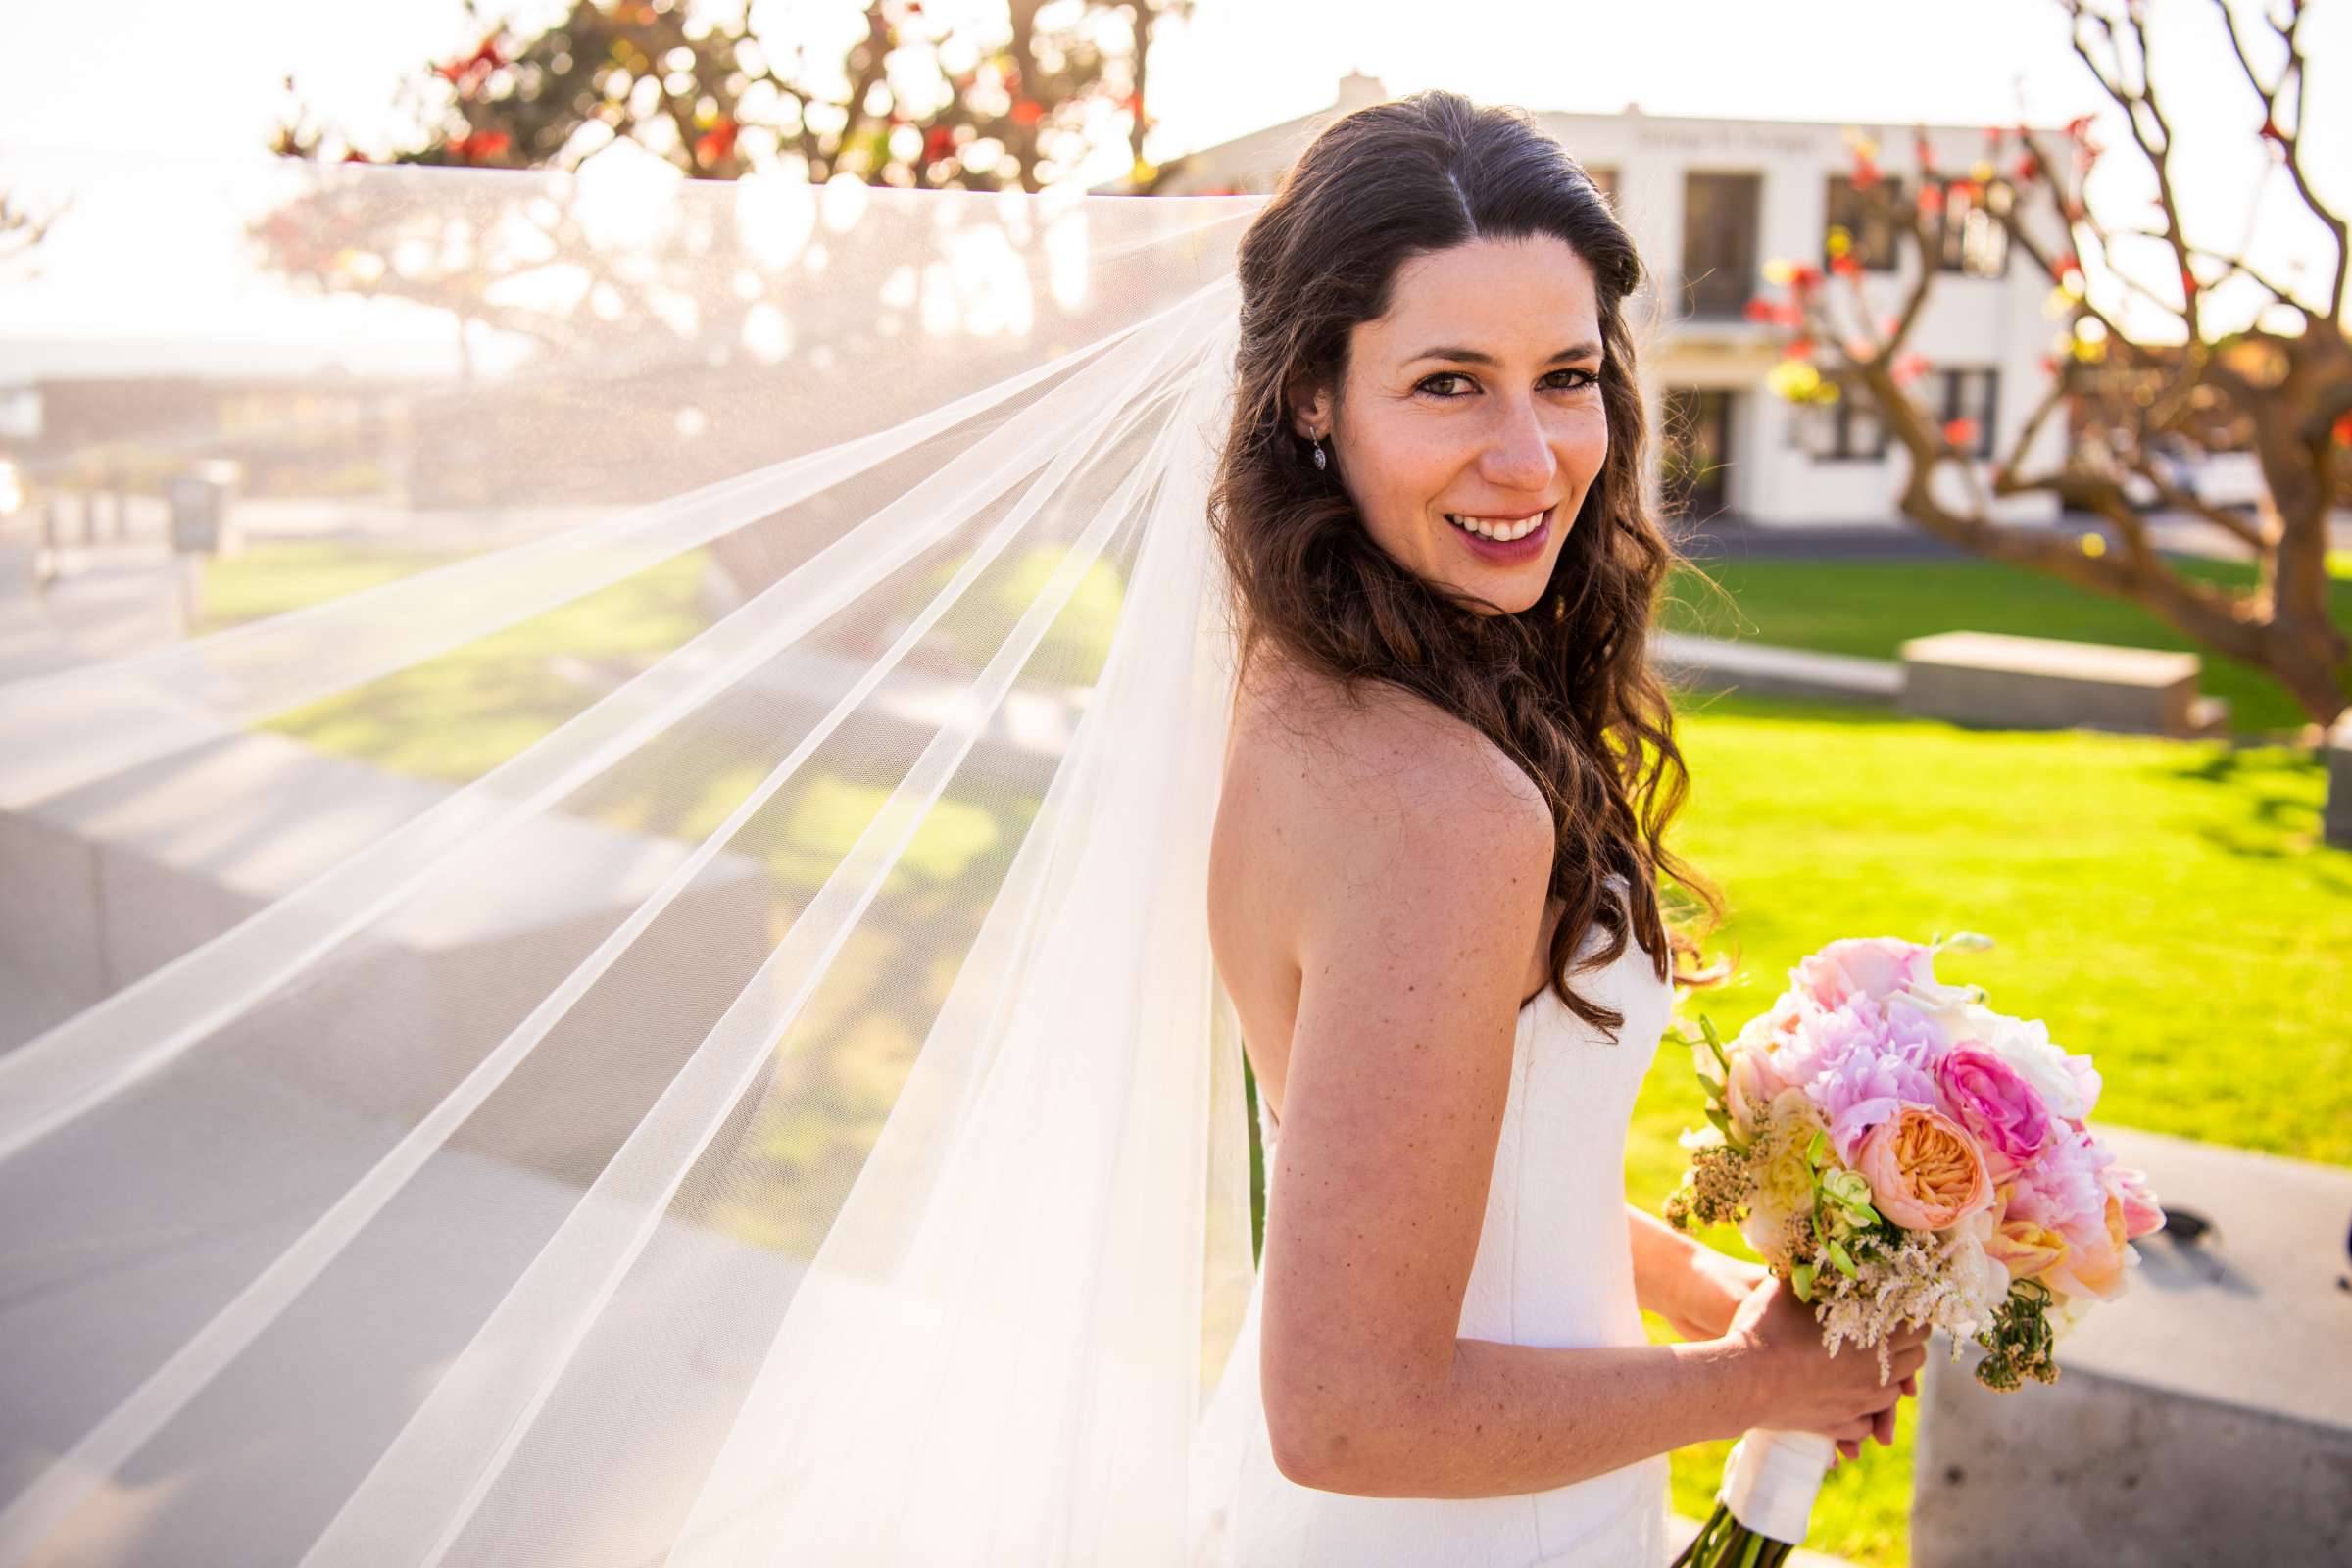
column 2019, row 1341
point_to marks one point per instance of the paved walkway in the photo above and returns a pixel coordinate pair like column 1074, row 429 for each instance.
column 2173, row 534
column 1765, row 669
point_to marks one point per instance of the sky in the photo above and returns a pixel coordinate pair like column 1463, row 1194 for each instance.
column 167, row 75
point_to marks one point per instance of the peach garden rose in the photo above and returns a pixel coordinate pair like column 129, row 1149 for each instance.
column 1924, row 1171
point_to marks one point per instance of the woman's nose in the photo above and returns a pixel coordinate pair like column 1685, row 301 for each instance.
column 1518, row 452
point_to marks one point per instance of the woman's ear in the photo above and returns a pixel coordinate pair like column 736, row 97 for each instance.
column 1310, row 410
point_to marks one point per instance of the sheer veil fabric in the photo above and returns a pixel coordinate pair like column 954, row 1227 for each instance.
column 605, row 788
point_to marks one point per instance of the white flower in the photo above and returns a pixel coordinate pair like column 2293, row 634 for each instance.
column 1978, row 1278
column 2065, row 1313
column 1766, row 1230
column 1954, row 1012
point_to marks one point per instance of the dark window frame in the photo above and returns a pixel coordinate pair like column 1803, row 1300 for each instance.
column 1844, row 208
column 1717, row 291
column 1978, row 245
column 1952, row 381
column 1847, row 419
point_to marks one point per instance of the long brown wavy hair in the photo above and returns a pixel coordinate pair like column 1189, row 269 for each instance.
column 1564, row 687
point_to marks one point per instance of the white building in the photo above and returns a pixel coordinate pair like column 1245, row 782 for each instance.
column 1709, row 203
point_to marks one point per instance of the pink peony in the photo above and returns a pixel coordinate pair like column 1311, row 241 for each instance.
column 1924, row 1171
column 2019, row 1245
column 2096, row 1256
column 2061, row 1188
column 1868, row 968
column 1859, row 1068
column 1987, row 1096
column 2141, row 1213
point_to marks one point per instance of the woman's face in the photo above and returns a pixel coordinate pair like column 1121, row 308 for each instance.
column 1476, row 399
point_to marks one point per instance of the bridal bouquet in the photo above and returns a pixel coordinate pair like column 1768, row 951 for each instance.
column 1901, row 1154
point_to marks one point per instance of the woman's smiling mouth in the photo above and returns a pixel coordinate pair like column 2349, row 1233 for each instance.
column 1500, row 530
column 1503, row 540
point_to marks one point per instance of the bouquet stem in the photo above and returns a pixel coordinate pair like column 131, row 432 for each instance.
column 1765, row 1502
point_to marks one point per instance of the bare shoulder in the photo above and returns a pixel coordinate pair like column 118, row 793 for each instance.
column 1348, row 788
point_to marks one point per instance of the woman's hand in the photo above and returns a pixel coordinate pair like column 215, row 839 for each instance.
column 1803, row 1387
column 1702, row 1299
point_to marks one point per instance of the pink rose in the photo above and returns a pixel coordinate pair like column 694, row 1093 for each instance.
column 1924, row 1171
column 1870, row 967
column 1989, row 1098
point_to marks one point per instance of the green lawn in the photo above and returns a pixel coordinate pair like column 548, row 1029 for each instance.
column 1868, row 608
column 2165, row 905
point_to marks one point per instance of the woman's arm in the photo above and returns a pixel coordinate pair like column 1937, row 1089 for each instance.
column 1414, row 863
column 1662, row 1257
column 1694, row 1287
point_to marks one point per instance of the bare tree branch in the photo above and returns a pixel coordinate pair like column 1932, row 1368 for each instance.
column 2281, row 394
column 2290, row 138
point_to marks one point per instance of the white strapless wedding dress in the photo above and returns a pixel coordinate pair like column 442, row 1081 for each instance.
column 1554, row 1267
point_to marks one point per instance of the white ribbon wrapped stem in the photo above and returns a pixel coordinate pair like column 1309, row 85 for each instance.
column 1771, row 1479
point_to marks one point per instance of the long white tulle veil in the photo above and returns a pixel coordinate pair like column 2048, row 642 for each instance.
column 605, row 790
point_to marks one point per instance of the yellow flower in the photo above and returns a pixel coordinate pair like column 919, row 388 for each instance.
column 1784, row 1176
column 2025, row 1248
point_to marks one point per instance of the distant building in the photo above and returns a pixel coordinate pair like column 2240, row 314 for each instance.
column 1709, row 202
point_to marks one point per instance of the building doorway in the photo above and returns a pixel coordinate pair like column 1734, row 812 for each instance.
column 1694, row 456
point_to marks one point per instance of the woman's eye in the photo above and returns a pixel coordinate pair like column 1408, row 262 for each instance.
column 1450, row 384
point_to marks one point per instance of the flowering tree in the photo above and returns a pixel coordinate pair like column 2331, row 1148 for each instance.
column 2280, row 385
column 1013, row 102
column 910, row 101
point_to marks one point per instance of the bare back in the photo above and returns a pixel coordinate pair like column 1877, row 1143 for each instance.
column 1287, row 726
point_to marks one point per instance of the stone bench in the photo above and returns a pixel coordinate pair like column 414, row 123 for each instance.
column 1975, row 677
column 2204, row 1417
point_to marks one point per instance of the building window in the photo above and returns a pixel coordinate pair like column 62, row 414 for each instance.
column 1694, row 452
column 1604, row 177
column 1968, row 235
column 1873, row 234
column 1974, row 396
column 1719, row 241
column 1857, row 433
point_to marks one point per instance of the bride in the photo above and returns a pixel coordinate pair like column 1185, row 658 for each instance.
column 551, row 1059
column 1432, row 890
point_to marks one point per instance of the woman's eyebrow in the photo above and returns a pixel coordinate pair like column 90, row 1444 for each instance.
column 1581, row 351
